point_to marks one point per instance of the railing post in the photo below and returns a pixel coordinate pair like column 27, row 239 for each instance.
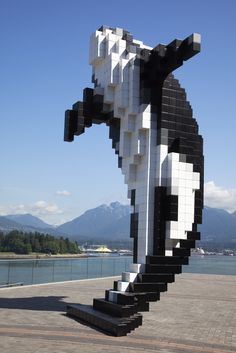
column 126, row 264
column 101, row 266
column 53, row 270
column 71, row 268
column 114, row 267
column 32, row 274
column 8, row 275
column 87, row 267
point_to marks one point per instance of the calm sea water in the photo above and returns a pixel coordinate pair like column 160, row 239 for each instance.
column 217, row 265
column 55, row 270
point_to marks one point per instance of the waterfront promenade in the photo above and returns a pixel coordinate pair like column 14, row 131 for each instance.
column 197, row 314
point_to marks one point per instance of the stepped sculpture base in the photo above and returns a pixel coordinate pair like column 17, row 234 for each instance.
column 115, row 326
column 119, row 312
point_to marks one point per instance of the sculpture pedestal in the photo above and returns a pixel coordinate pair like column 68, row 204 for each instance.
column 115, row 326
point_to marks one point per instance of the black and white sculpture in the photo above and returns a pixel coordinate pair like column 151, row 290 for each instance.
column 160, row 155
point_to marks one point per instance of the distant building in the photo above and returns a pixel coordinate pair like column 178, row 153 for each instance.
column 95, row 248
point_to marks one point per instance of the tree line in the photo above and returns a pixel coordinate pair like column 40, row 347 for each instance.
column 25, row 243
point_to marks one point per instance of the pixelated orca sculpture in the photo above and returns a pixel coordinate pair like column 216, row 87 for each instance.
column 160, row 155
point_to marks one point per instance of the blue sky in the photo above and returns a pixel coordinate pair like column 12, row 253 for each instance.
column 43, row 70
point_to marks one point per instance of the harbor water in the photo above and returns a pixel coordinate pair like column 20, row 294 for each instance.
column 55, row 270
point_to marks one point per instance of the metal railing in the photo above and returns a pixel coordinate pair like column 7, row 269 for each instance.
column 57, row 270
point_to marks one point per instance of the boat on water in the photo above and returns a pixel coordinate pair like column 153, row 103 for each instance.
column 198, row 251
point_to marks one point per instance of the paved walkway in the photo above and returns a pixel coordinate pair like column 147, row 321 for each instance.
column 197, row 314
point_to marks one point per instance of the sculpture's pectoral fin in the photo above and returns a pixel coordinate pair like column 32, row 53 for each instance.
column 74, row 122
column 84, row 114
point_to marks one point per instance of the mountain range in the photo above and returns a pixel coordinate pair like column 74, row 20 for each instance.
column 29, row 220
column 100, row 222
column 111, row 222
column 25, row 223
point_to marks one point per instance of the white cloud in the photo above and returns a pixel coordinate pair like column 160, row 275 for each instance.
column 44, row 208
column 219, row 197
column 10, row 209
column 39, row 208
column 63, row 193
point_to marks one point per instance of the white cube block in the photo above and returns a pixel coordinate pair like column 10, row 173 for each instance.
column 122, row 286
column 112, row 297
column 129, row 276
column 137, row 268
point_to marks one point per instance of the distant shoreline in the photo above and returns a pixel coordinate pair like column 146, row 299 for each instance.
column 76, row 256
column 39, row 256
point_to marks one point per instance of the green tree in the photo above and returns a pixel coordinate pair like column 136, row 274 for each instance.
column 24, row 243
